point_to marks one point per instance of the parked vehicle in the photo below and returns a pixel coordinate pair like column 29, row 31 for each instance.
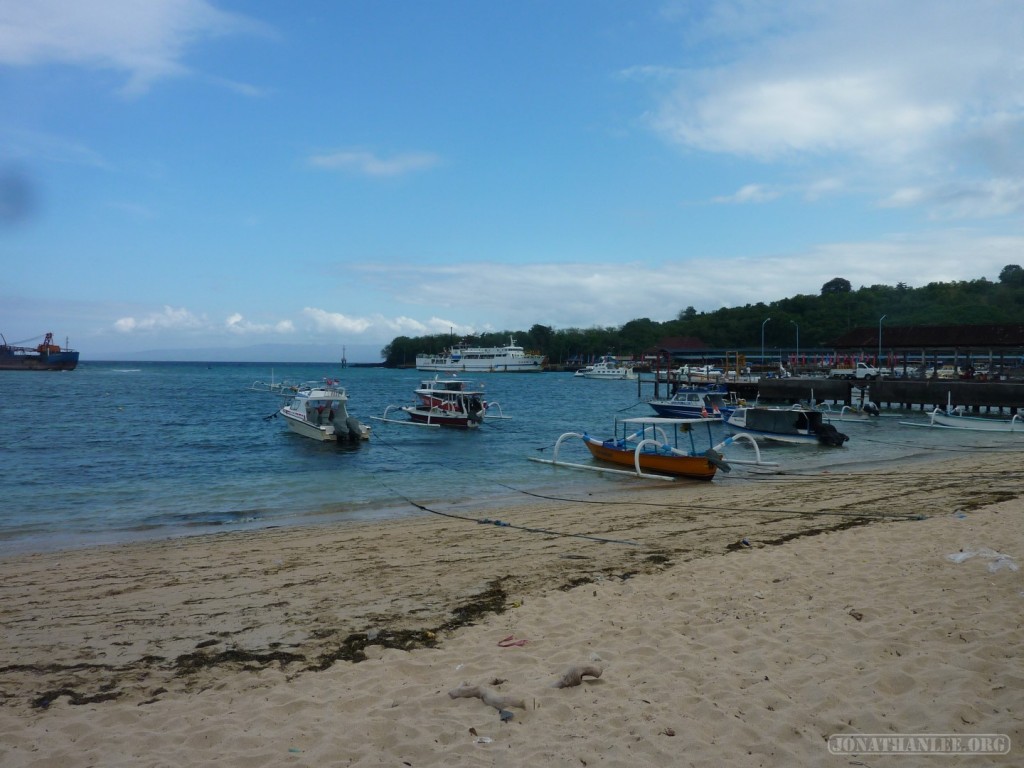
column 859, row 371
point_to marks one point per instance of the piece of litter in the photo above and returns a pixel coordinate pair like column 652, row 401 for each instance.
column 505, row 715
column 482, row 740
column 998, row 562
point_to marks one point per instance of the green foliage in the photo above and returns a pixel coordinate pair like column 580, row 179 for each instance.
column 819, row 320
column 1012, row 274
column 836, row 285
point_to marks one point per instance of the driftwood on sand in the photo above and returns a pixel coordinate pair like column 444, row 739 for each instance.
column 487, row 696
column 574, row 675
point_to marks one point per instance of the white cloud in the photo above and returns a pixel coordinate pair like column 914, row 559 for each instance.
column 487, row 296
column 169, row 319
column 866, row 114
column 369, row 164
column 921, row 93
column 963, row 200
column 379, row 326
column 335, row 321
column 146, row 40
column 575, row 294
column 750, row 193
column 237, row 324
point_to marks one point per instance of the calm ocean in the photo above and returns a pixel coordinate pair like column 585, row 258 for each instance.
column 121, row 451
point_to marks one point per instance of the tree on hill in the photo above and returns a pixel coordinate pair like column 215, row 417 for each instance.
column 836, row 285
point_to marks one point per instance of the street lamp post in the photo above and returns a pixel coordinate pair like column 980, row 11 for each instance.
column 878, row 361
column 762, row 339
column 794, row 322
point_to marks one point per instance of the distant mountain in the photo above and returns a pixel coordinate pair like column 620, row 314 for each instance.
column 259, row 353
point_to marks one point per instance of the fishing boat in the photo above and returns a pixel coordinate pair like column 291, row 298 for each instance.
column 695, row 403
column 445, row 402
column 321, row 413
column 43, row 357
column 955, row 419
column 461, row 358
column 798, row 424
column 656, row 447
column 607, row 367
column 276, row 387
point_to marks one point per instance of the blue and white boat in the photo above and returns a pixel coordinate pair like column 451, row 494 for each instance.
column 698, row 402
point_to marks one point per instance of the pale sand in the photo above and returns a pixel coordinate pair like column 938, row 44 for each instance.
column 713, row 653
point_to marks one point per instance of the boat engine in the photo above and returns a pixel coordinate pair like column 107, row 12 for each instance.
column 352, row 431
column 829, row 435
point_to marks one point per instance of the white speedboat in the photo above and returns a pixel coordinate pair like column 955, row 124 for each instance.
column 461, row 358
column 321, row 413
column 607, row 368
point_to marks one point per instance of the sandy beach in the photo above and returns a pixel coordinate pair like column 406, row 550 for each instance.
column 729, row 624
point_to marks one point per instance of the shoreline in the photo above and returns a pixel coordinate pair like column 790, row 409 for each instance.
column 386, row 511
column 656, row 577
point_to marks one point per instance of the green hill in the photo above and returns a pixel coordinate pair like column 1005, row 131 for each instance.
column 819, row 320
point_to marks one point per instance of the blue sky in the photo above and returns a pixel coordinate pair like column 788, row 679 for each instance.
column 204, row 174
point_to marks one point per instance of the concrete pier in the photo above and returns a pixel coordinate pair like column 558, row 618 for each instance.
column 926, row 394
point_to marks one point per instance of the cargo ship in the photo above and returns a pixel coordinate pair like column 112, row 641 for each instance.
column 44, row 357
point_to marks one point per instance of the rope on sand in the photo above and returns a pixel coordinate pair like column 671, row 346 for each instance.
column 802, row 512
column 512, row 526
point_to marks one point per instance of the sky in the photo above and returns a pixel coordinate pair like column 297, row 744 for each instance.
column 259, row 179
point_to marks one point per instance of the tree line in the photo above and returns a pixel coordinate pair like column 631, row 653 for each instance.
column 815, row 321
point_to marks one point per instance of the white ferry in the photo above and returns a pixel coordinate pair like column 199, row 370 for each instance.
column 461, row 358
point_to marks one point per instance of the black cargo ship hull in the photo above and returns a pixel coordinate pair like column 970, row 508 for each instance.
column 14, row 359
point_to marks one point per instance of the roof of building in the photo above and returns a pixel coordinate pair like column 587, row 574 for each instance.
column 676, row 344
column 995, row 336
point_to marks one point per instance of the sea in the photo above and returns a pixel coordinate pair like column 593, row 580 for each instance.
column 123, row 451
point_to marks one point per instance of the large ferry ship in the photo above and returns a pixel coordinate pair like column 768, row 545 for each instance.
column 44, row 357
column 462, row 358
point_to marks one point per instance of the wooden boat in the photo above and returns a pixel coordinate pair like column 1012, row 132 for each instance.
column 655, row 447
column 798, row 424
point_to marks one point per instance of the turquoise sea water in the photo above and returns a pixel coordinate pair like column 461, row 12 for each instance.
column 120, row 451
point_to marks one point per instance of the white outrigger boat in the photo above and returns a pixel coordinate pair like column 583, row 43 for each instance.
column 955, row 419
column 321, row 413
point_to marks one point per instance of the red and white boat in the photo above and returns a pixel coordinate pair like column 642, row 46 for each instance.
column 444, row 402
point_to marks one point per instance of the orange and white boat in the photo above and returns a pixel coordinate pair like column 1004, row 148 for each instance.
column 656, row 447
